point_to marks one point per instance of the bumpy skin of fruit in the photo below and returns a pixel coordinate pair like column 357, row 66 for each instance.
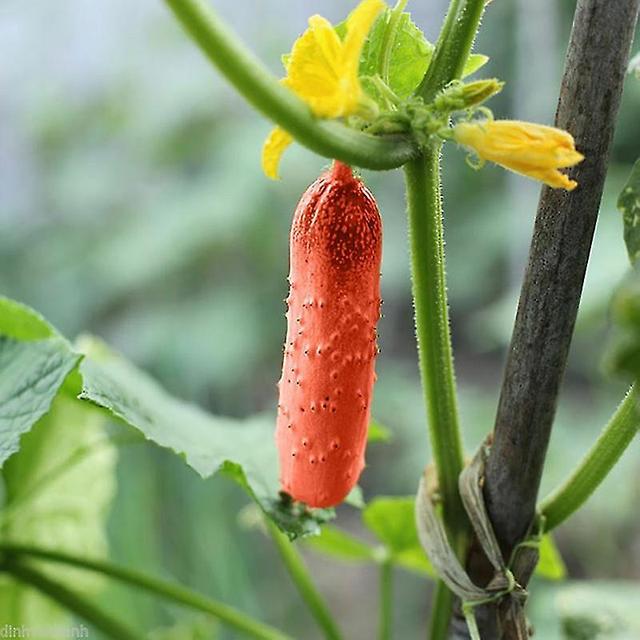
column 330, row 349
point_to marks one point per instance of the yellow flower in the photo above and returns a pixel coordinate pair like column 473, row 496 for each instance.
column 533, row 150
column 323, row 70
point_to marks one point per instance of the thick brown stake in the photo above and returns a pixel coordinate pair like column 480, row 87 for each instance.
column 589, row 99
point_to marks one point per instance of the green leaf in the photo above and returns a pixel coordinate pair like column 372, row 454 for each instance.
column 31, row 374
column 392, row 520
column 242, row 450
column 355, row 498
column 58, row 489
column 378, row 432
column 19, row 322
column 599, row 609
column 341, row 545
column 34, row 368
column 410, row 55
column 550, row 565
column 474, row 62
column 623, row 355
column 634, row 65
column 629, row 205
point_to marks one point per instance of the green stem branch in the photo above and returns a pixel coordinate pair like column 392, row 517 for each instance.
column 226, row 614
column 432, row 329
column 596, row 465
column 453, row 46
column 386, row 600
column 302, row 580
column 441, row 607
column 262, row 90
column 435, row 354
column 72, row 601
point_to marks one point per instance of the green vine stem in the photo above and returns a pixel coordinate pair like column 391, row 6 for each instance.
column 597, row 463
column 441, row 607
column 386, row 600
column 453, row 46
column 302, row 580
column 261, row 89
column 422, row 178
column 72, row 601
column 226, row 614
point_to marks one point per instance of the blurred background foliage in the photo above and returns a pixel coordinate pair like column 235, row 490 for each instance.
column 132, row 206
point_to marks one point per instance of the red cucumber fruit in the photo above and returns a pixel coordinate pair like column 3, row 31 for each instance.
column 331, row 347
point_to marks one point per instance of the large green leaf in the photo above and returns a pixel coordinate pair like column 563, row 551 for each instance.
column 34, row 362
column 594, row 610
column 629, row 205
column 409, row 58
column 392, row 520
column 22, row 323
column 31, row 374
column 343, row 546
column 58, row 489
column 244, row 450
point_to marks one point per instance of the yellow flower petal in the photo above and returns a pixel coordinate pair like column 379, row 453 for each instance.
column 274, row 146
column 328, row 43
column 534, row 150
column 323, row 71
column 359, row 24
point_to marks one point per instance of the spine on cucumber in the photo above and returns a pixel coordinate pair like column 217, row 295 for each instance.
column 330, row 349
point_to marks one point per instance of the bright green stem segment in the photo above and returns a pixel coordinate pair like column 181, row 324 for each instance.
column 432, row 329
column 441, row 608
column 301, row 578
column 386, row 600
column 228, row 615
column 261, row 89
column 595, row 466
column 426, row 236
column 453, row 46
column 72, row 601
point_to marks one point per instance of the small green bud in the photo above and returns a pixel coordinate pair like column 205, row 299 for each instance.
column 475, row 93
column 459, row 96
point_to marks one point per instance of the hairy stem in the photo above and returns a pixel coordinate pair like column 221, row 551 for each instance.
column 72, row 601
column 432, row 329
column 262, row 90
column 422, row 177
column 226, row 614
column 595, row 466
column 453, row 46
column 303, row 582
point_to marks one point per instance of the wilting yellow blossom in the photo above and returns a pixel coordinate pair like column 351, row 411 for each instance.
column 533, row 150
column 323, row 70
